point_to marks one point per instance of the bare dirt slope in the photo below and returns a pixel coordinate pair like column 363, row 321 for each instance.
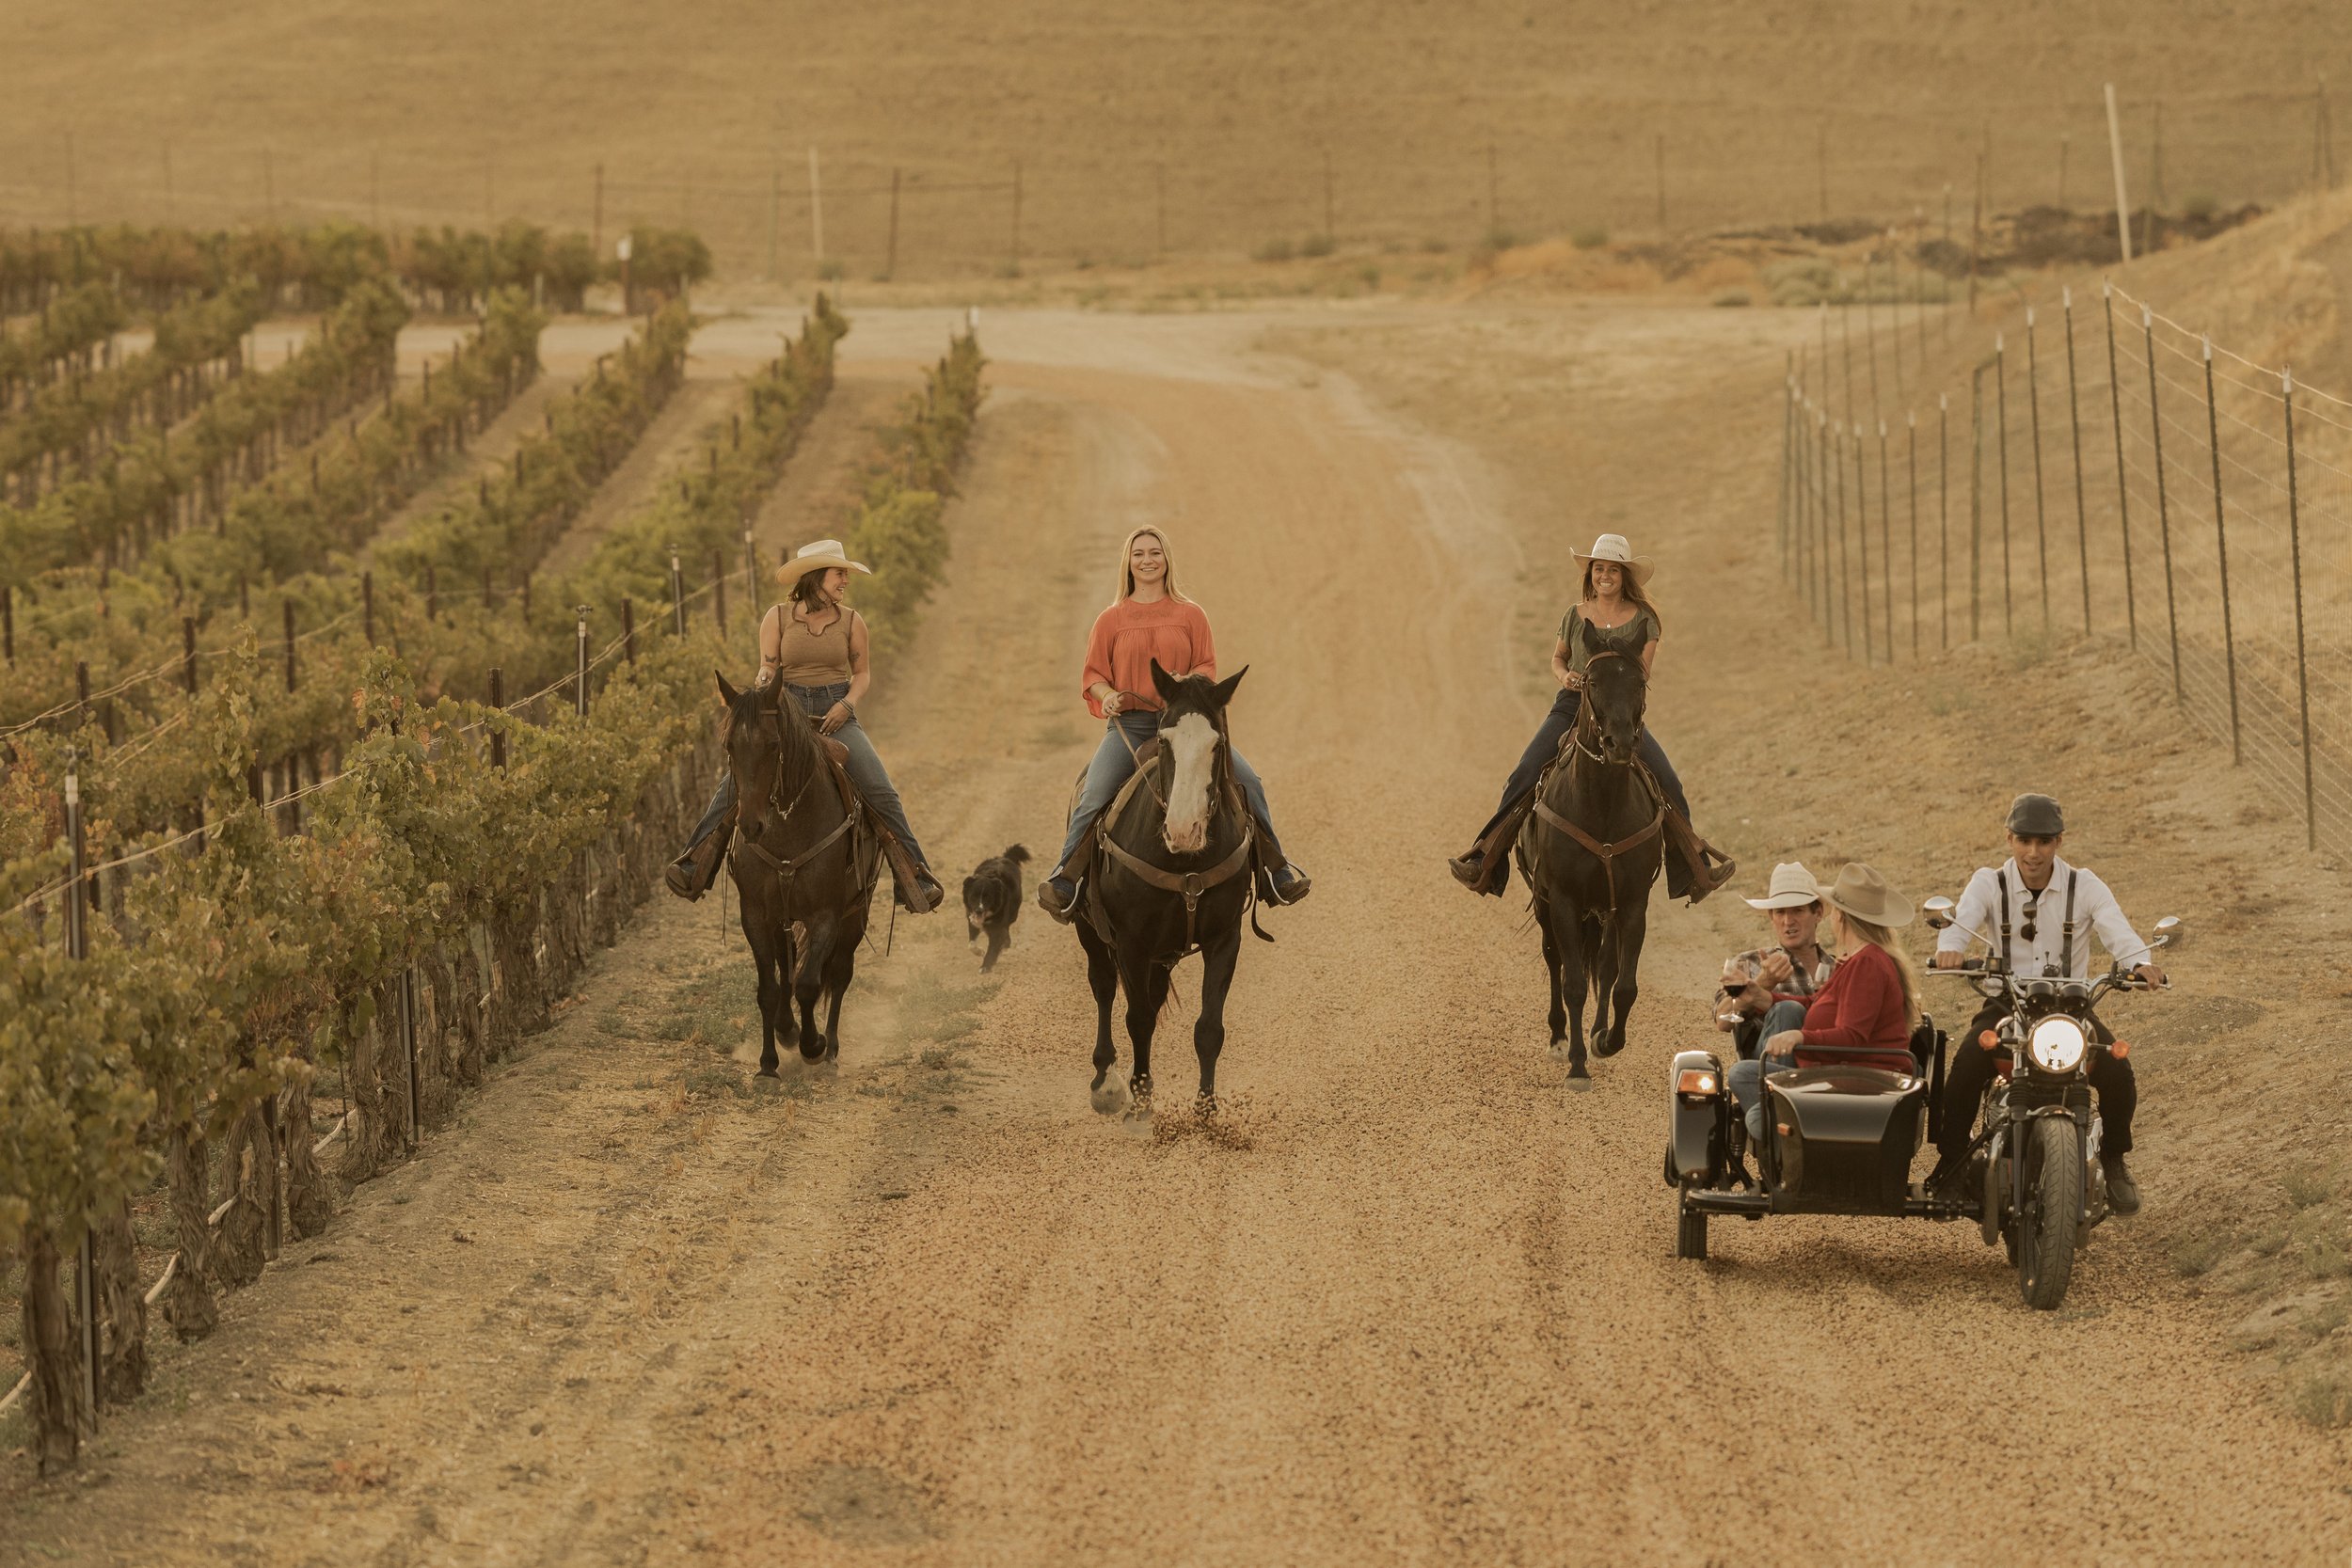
column 413, row 112
column 1406, row 1299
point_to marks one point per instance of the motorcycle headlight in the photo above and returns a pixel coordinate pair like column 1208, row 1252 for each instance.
column 2058, row 1044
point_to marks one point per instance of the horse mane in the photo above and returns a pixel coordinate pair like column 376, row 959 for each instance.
column 798, row 736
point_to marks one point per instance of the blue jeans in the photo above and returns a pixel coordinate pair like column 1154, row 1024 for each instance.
column 1747, row 1077
column 865, row 772
column 1546, row 746
column 1114, row 763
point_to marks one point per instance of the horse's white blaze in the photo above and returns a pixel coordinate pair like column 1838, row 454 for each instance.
column 1192, row 741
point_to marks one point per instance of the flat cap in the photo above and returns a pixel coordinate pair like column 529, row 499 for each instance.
column 2036, row 817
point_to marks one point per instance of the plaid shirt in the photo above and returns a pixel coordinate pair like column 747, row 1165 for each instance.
column 1799, row 983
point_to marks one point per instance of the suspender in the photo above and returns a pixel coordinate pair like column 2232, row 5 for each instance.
column 2066, row 932
column 2000, row 880
column 2066, row 940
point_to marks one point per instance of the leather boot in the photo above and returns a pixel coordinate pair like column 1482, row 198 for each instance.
column 1487, row 866
column 689, row 875
column 1057, row 895
column 1705, row 869
column 918, row 892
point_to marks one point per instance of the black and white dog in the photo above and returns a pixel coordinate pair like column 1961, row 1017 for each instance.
column 991, row 902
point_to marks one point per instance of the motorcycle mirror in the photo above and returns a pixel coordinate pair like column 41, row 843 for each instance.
column 1939, row 910
column 2169, row 931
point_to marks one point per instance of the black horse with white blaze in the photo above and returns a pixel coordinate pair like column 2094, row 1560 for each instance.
column 1172, row 876
column 1590, row 850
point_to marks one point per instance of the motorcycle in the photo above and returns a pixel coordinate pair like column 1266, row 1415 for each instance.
column 2034, row 1166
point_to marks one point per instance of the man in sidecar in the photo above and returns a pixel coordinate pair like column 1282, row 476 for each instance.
column 2037, row 913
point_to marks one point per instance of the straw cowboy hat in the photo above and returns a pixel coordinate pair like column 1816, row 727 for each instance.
column 1863, row 894
column 1792, row 888
column 822, row 556
column 1612, row 547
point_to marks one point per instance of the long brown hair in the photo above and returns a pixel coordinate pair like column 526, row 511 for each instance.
column 1127, row 574
column 1628, row 590
column 1881, row 936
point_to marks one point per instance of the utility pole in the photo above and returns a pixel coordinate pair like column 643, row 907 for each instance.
column 817, row 212
column 2115, row 151
column 596, row 226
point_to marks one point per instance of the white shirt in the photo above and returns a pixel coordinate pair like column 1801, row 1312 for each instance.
column 2095, row 909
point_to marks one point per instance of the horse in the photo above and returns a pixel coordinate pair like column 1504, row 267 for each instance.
column 1172, row 876
column 1590, row 850
column 805, row 866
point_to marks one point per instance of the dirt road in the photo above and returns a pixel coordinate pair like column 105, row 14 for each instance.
column 1408, row 1299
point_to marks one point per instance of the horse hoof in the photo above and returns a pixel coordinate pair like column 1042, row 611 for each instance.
column 1108, row 1099
column 1609, row 1044
column 1579, row 1082
column 1204, row 1106
column 768, row 1069
column 1559, row 1050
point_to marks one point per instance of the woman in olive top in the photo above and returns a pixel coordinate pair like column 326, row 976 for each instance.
column 816, row 647
column 1614, row 616
column 1149, row 619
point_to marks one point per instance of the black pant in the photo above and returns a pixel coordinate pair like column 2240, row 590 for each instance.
column 1971, row 1068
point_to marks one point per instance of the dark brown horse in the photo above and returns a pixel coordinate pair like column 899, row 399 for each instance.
column 1172, row 877
column 805, row 866
column 1590, row 850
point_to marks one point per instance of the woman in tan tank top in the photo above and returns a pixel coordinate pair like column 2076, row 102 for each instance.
column 818, row 647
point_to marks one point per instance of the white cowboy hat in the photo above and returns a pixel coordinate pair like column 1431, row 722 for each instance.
column 822, row 556
column 1863, row 894
column 1792, row 888
column 1612, row 547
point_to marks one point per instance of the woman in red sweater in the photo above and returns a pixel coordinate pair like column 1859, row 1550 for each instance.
column 1864, row 1016
column 1148, row 620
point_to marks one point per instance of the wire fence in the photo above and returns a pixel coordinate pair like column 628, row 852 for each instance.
column 2113, row 473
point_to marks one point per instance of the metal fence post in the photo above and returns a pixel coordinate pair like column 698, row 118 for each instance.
column 2041, row 520
column 677, row 596
column 2000, row 405
column 1822, row 472
column 1862, row 529
column 2163, row 506
column 629, row 631
column 1845, row 567
column 2221, row 543
column 2074, row 420
column 1975, row 501
column 2302, row 676
column 2122, row 487
column 1943, row 507
column 1788, row 415
column 1886, row 544
column 498, row 700
column 1911, row 422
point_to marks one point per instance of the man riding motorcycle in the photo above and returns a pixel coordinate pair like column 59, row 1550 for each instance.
column 2036, row 914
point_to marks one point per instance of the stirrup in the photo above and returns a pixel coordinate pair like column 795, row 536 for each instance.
column 1064, row 914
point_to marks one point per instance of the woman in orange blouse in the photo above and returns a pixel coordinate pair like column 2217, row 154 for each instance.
column 1149, row 619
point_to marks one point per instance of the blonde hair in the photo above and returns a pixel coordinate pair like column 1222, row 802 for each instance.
column 1628, row 589
column 1127, row 572
column 1881, row 936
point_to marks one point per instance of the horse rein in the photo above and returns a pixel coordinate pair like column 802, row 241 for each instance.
column 1189, row 885
column 785, row 868
column 1584, row 710
column 1606, row 853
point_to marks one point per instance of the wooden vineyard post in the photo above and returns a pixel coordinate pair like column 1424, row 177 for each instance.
column 580, row 694
column 2123, row 487
column 7, row 624
column 751, row 573
column 2164, row 505
column 409, row 1043
column 367, row 607
column 498, row 700
column 77, row 902
column 2222, row 544
column 677, row 596
column 2302, row 672
column 2075, row 422
column 187, row 652
column 719, row 592
column 629, row 631
column 288, row 606
column 2041, row 521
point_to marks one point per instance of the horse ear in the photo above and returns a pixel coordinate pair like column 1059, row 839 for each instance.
column 1225, row 688
column 726, row 693
column 1164, row 683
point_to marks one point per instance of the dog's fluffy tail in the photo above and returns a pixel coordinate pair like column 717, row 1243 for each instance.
column 1018, row 854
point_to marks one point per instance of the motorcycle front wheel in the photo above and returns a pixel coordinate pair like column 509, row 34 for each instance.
column 2046, row 1219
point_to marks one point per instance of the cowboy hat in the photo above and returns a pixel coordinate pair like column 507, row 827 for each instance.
column 1863, row 894
column 1612, row 547
column 1792, row 888
column 822, row 556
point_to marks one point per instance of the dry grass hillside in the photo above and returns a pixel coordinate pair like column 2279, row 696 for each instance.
column 1217, row 114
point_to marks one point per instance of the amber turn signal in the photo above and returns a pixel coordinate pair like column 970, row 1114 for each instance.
column 1990, row 1040
column 2120, row 1050
column 1694, row 1080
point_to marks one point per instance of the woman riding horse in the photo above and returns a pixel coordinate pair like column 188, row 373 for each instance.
column 1613, row 616
column 1148, row 619
column 818, row 647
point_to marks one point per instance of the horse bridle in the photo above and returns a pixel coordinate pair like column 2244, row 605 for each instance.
column 749, row 837
column 1606, row 853
column 1189, row 885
